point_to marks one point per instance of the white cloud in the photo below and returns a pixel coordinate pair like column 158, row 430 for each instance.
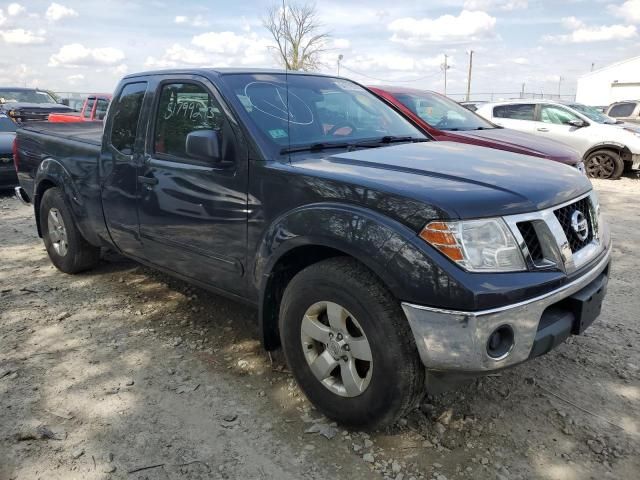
column 178, row 55
column 195, row 21
column 247, row 49
column 77, row 55
column 521, row 61
column 582, row 33
column 629, row 11
column 2, row 17
column 15, row 9
column 341, row 43
column 20, row 36
column 219, row 49
column 448, row 28
column 57, row 12
column 75, row 79
column 506, row 5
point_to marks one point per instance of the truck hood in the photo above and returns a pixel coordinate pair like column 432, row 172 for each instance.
column 49, row 107
column 524, row 143
column 454, row 179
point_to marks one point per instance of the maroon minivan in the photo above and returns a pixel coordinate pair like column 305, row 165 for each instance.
column 444, row 119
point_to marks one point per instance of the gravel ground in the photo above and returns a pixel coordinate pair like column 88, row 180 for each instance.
column 123, row 372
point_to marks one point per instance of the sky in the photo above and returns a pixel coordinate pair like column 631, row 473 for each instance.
column 88, row 45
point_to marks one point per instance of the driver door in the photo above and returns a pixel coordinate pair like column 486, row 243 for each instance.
column 193, row 212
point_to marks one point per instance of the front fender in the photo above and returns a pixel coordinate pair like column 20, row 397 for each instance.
column 389, row 248
column 363, row 234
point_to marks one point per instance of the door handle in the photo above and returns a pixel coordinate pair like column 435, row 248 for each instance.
column 542, row 129
column 148, row 180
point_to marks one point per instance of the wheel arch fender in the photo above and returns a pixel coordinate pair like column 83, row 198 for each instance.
column 51, row 173
column 609, row 145
column 312, row 233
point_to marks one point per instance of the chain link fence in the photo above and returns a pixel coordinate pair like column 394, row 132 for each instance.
column 498, row 96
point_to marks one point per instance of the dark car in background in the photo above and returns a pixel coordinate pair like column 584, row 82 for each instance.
column 446, row 120
column 29, row 104
column 8, row 176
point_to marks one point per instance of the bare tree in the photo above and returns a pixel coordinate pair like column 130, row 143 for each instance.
column 297, row 34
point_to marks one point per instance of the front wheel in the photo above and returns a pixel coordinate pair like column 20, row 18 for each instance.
column 67, row 248
column 349, row 345
column 606, row 164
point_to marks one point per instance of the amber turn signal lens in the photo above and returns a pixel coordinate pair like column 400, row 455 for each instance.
column 440, row 236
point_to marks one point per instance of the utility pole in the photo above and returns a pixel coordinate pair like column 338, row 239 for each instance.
column 445, row 66
column 469, row 75
column 559, row 86
column 522, row 91
column 340, row 57
column 593, row 65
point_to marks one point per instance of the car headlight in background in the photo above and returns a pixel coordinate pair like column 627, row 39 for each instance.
column 580, row 167
column 485, row 245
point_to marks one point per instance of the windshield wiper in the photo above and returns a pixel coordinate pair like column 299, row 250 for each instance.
column 314, row 147
column 387, row 139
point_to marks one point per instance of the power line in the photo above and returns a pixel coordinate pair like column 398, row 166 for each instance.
column 389, row 81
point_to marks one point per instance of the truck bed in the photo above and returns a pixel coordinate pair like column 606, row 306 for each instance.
column 85, row 132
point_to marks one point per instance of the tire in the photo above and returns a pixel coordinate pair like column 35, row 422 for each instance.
column 67, row 248
column 389, row 385
column 606, row 164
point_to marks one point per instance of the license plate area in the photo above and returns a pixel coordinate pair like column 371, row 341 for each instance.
column 586, row 304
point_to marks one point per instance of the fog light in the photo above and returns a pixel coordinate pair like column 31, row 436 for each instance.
column 500, row 342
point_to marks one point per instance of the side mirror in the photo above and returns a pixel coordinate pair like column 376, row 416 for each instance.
column 64, row 101
column 203, row 145
column 577, row 123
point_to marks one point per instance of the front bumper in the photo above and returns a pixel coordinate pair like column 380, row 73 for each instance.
column 456, row 341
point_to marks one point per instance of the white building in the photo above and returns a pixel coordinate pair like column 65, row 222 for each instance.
column 618, row 81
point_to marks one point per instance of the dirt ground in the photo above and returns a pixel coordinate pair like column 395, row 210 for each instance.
column 123, row 372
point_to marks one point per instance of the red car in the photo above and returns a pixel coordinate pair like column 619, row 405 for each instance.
column 93, row 108
column 444, row 119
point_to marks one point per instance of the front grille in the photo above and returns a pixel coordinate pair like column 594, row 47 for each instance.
column 531, row 240
column 564, row 215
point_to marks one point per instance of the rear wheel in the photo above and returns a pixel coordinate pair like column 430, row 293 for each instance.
column 604, row 164
column 349, row 345
column 67, row 248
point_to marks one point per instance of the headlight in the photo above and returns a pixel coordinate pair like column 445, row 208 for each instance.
column 580, row 167
column 485, row 245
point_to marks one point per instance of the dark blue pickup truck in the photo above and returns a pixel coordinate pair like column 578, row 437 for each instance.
column 382, row 263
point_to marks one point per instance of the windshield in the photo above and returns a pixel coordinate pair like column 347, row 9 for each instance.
column 25, row 96
column 315, row 110
column 442, row 113
column 592, row 113
column 7, row 125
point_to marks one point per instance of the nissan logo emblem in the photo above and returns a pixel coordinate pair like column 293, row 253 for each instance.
column 580, row 225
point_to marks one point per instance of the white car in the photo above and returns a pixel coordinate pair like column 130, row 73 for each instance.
column 607, row 146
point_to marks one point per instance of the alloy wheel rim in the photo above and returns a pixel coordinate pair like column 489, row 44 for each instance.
column 57, row 232
column 336, row 349
column 601, row 166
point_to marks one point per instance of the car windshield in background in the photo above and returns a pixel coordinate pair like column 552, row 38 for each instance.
column 7, row 125
column 592, row 113
column 442, row 113
column 25, row 96
column 317, row 112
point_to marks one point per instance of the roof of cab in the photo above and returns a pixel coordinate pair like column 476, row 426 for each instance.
column 226, row 71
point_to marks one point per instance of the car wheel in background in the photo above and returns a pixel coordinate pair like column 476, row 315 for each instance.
column 67, row 248
column 349, row 345
column 604, row 164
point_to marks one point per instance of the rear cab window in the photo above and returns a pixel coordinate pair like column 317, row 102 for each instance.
column 126, row 117
column 518, row 111
column 88, row 107
column 622, row 109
